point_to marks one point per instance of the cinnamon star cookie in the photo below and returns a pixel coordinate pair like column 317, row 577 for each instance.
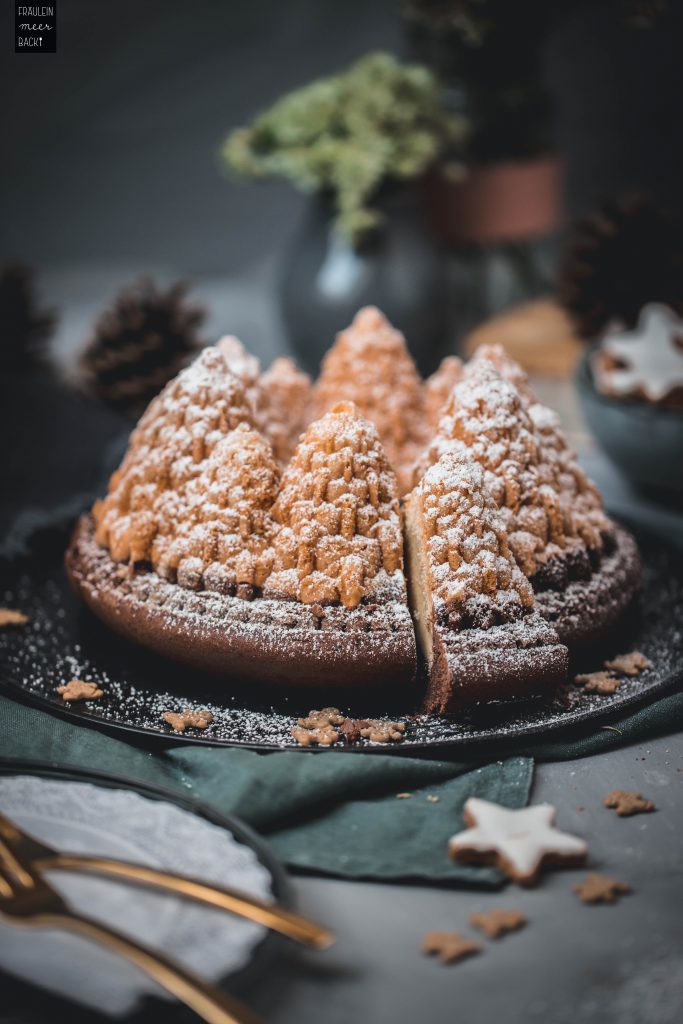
column 518, row 842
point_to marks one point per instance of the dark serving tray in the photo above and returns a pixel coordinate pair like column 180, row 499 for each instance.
column 63, row 640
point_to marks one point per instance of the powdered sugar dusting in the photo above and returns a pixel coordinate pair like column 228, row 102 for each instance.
column 369, row 364
column 548, row 506
column 474, row 577
column 338, row 514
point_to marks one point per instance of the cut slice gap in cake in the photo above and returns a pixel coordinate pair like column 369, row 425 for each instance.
column 479, row 633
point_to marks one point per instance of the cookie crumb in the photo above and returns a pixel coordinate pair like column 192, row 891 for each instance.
column 630, row 664
column 403, row 796
column 495, row 923
column 378, row 731
column 79, row 689
column 432, row 798
column 600, row 889
column 599, row 682
column 319, row 728
column 11, row 617
column 329, row 726
column 188, row 719
column 626, row 804
column 322, row 737
column 449, row 946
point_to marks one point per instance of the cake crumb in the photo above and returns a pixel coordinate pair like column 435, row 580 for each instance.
column 11, row 617
column 626, row 804
column 79, row 689
column 600, row 889
column 498, row 922
column 599, row 682
column 403, row 796
column 449, row 946
column 432, row 798
column 629, row 664
column 188, row 719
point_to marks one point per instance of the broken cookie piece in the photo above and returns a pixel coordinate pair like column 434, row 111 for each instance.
column 629, row 664
column 498, row 922
column 325, row 728
column 188, row 719
column 449, row 946
column 378, row 731
column 626, row 804
column 325, row 736
column 11, row 617
column 319, row 728
column 600, row 889
column 599, row 682
column 79, row 689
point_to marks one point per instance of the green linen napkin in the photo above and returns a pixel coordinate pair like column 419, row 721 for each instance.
column 333, row 813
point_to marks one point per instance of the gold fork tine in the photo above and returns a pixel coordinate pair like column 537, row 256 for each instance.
column 286, row 922
column 27, row 899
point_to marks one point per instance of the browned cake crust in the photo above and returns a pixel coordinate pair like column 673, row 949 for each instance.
column 585, row 610
column 513, row 660
column 280, row 642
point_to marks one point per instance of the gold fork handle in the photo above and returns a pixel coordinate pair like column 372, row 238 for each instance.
column 213, row 1005
column 276, row 918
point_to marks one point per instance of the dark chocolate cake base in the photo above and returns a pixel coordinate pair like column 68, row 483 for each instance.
column 584, row 610
column 278, row 642
column 514, row 660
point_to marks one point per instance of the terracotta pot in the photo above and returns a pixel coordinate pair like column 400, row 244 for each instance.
column 496, row 203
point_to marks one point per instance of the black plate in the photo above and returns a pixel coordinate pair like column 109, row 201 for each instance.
column 63, row 640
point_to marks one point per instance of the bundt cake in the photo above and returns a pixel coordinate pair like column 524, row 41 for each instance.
column 255, row 527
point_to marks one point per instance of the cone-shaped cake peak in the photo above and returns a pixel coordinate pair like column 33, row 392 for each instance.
column 370, row 365
column 238, row 359
column 438, row 387
column 340, row 535
column 167, row 450
column 550, row 509
column 474, row 578
column 284, row 396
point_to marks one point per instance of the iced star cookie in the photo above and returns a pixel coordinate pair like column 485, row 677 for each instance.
column 518, row 842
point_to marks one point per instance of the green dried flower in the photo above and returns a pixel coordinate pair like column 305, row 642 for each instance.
column 347, row 134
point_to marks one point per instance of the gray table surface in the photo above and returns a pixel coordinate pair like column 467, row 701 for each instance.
column 572, row 963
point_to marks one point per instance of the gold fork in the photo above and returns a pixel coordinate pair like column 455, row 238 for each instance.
column 286, row 922
column 27, row 899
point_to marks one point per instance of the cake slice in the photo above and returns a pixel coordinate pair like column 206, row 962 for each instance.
column 479, row 633
column 583, row 568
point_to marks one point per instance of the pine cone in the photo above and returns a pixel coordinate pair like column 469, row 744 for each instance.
column 138, row 344
column 628, row 254
column 25, row 327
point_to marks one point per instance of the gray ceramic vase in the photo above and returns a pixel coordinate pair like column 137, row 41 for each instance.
column 324, row 281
